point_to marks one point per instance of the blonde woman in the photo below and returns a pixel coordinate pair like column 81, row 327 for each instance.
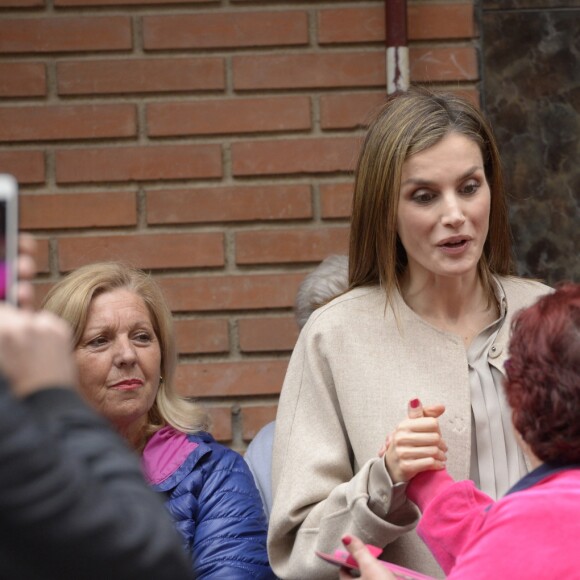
column 124, row 349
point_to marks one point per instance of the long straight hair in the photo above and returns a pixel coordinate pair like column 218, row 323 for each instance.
column 409, row 123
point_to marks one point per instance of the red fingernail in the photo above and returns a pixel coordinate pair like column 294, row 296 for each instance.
column 415, row 403
column 346, row 540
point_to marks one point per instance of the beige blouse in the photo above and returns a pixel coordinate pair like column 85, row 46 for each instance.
column 497, row 462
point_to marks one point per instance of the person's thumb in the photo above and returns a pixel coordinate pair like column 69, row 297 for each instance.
column 415, row 409
column 357, row 550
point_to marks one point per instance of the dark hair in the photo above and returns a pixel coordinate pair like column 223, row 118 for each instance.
column 543, row 375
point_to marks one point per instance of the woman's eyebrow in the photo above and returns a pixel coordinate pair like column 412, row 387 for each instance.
column 427, row 182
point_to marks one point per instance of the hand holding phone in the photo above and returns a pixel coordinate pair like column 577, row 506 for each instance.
column 8, row 238
column 347, row 562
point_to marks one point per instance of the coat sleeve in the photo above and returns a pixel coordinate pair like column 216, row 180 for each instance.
column 317, row 496
column 73, row 490
column 231, row 527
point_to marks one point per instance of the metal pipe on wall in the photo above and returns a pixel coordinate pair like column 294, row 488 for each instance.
column 397, row 57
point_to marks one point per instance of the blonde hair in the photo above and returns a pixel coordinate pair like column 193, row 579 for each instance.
column 71, row 299
column 408, row 123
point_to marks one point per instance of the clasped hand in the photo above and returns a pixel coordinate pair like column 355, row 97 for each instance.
column 416, row 444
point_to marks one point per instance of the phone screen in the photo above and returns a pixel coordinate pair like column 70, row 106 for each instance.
column 3, row 265
column 8, row 237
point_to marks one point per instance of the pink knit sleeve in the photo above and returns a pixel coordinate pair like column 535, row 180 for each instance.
column 452, row 513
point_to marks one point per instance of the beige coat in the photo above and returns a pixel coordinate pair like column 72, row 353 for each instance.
column 350, row 378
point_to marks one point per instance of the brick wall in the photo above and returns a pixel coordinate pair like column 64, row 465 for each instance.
column 211, row 143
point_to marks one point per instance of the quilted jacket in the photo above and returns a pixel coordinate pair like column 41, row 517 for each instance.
column 214, row 502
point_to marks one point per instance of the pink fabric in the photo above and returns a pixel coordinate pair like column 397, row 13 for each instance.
column 2, row 280
column 531, row 533
column 164, row 453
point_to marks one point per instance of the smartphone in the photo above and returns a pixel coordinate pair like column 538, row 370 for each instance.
column 348, row 563
column 8, row 237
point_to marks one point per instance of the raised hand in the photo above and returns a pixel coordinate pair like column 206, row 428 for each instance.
column 35, row 351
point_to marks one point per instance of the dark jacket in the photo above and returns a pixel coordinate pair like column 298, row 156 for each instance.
column 73, row 503
column 214, row 502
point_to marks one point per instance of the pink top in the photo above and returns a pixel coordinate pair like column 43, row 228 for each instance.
column 532, row 532
column 164, row 453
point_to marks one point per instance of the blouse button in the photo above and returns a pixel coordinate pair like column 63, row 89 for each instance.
column 495, row 351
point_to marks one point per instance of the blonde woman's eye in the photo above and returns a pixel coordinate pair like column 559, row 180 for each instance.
column 143, row 337
column 97, row 341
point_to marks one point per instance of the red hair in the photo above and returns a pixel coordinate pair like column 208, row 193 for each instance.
column 543, row 375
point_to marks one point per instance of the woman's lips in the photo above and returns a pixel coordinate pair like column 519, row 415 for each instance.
column 454, row 247
column 127, row 385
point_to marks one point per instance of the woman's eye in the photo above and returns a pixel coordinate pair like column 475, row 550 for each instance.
column 143, row 337
column 423, row 197
column 470, row 187
column 97, row 341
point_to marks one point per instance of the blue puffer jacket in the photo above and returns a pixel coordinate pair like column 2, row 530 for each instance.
column 214, row 502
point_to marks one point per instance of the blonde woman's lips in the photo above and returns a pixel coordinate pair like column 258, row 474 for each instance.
column 127, row 385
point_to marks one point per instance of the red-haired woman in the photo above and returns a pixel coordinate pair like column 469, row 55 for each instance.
column 532, row 532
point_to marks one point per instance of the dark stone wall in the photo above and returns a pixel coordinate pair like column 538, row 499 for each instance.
column 531, row 93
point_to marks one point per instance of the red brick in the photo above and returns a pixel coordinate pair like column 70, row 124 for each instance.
column 441, row 21
column 243, row 292
column 294, row 156
column 65, row 34
column 221, row 423
column 236, row 115
column 41, row 289
column 425, row 22
column 26, row 166
column 354, row 69
column 21, row 3
column 140, row 76
column 349, row 111
column 22, row 79
column 255, row 417
column 267, row 333
column 33, row 123
column 81, row 3
column 206, row 335
column 42, row 256
column 145, row 163
column 312, row 70
column 336, row 200
column 78, row 210
column 226, row 204
column 222, row 379
column 283, row 246
column 430, row 64
column 148, row 251
column 225, row 30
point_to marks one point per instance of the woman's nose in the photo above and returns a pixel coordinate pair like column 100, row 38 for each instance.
column 452, row 214
column 125, row 352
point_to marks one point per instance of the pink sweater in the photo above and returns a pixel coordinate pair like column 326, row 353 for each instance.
column 532, row 532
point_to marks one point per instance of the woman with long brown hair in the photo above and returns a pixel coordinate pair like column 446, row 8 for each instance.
column 427, row 315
